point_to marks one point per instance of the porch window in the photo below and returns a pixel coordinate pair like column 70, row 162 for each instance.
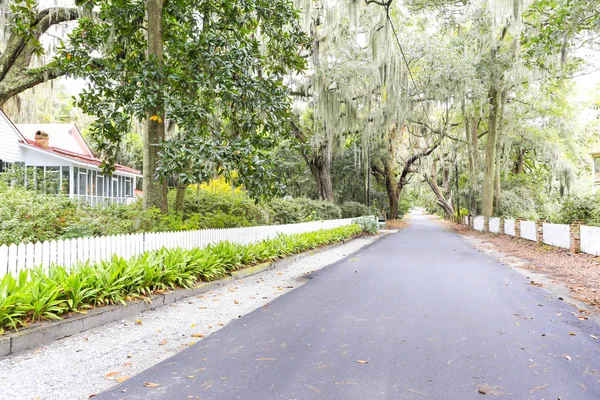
column 66, row 180
column 115, row 187
column 100, row 185
column 51, row 180
column 82, row 188
column 128, row 187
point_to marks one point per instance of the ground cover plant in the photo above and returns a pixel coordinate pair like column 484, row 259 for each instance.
column 36, row 295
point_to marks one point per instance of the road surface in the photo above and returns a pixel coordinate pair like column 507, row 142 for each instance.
column 419, row 314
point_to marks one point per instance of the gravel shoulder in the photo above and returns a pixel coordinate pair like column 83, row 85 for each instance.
column 96, row 360
column 579, row 273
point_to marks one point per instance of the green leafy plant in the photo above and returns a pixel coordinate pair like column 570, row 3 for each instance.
column 367, row 224
column 37, row 294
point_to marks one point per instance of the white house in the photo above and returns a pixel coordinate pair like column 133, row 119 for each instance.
column 60, row 151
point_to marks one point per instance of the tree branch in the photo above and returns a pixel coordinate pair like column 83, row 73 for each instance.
column 16, row 57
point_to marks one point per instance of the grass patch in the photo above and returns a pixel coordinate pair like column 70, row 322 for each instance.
column 36, row 295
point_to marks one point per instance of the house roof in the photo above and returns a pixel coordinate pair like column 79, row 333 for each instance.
column 65, row 141
column 60, row 136
column 78, row 158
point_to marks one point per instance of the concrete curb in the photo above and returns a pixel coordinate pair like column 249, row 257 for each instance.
column 42, row 333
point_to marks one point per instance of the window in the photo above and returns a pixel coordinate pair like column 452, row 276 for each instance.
column 52, row 177
column 115, row 187
column 82, row 188
column 100, row 185
column 597, row 167
column 66, row 180
column 128, row 187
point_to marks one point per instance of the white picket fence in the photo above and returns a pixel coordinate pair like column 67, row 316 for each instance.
column 528, row 230
column 495, row 225
column 557, row 235
column 553, row 234
column 590, row 240
column 478, row 223
column 15, row 258
column 509, row 227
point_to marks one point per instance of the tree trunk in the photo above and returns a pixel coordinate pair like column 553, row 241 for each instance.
column 520, row 163
column 472, row 151
column 490, row 153
column 392, row 187
column 497, row 183
column 155, row 191
column 320, row 166
column 445, row 204
column 180, row 196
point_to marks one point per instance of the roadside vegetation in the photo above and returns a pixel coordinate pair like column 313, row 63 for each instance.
column 29, row 216
column 36, row 295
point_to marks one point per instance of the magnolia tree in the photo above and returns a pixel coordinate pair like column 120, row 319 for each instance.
column 205, row 77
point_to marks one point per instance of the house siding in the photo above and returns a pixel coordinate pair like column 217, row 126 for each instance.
column 10, row 151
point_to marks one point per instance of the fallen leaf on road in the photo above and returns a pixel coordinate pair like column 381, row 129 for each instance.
column 482, row 391
column 572, row 334
column 362, row 361
column 236, row 302
column 138, row 321
column 568, row 357
column 198, row 335
column 265, row 359
column 594, row 337
column 191, row 376
column 313, row 388
column 123, row 378
column 163, row 342
column 353, row 259
column 111, row 374
column 127, row 364
column 151, row 384
column 533, row 389
column 415, row 391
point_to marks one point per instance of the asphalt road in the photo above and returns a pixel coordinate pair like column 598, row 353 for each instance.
column 431, row 316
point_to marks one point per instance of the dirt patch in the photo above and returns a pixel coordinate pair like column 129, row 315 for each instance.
column 579, row 272
column 395, row 224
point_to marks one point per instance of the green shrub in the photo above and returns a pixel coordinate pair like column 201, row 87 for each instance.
column 576, row 208
column 282, row 211
column 29, row 216
column 367, row 224
column 35, row 295
column 352, row 209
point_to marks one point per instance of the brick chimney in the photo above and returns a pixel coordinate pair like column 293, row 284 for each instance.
column 41, row 139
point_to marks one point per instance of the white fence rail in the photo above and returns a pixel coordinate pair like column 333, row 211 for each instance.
column 557, row 235
column 495, row 225
column 15, row 258
column 509, row 227
column 553, row 234
column 528, row 230
column 478, row 223
column 590, row 240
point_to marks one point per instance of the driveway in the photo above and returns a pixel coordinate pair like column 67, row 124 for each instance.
column 419, row 314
